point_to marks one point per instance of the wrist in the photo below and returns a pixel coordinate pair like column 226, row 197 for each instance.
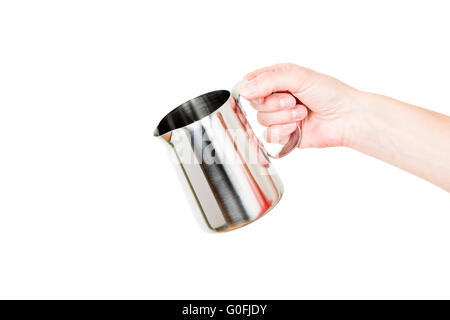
column 361, row 124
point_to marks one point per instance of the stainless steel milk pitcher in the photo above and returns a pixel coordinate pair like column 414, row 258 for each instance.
column 223, row 165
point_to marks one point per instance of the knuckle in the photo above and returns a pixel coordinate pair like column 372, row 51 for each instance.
column 289, row 66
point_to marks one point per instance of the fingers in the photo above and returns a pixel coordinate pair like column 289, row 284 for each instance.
column 272, row 68
column 295, row 79
column 279, row 133
column 253, row 74
column 268, row 82
column 274, row 102
column 299, row 112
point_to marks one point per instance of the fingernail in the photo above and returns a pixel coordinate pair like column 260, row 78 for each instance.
column 248, row 89
column 297, row 113
column 286, row 102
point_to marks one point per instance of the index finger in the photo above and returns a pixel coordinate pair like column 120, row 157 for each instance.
column 272, row 68
column 291, row 80
column 254, row 74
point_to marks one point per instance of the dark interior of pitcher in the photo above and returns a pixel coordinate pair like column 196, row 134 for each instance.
column 192, row 110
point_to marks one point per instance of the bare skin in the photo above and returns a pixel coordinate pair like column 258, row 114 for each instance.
column 334, row 114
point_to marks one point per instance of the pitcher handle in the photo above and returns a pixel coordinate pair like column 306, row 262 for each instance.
column 294, row 139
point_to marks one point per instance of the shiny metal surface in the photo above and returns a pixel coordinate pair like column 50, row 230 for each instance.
column 222, row 164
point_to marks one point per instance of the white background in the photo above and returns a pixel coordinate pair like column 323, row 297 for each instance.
column 89, row 203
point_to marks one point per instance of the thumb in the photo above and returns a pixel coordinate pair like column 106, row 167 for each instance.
column 295, row 80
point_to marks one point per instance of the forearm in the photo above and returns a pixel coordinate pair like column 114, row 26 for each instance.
column 414, row 139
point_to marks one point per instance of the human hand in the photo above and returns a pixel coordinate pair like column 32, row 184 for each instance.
column 335, row 114
column 286, row 93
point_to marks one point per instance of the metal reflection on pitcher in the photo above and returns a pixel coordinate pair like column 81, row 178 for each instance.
column 223, row 166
